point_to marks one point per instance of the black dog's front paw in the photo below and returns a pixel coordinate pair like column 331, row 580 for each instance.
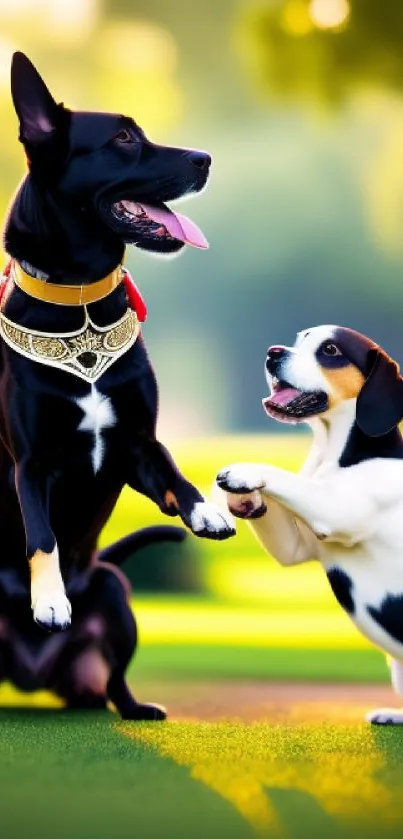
column 209, row 522
column 146, row 712
column 52, row 611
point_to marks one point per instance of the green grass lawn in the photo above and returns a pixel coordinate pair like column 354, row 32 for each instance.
column 95, row 778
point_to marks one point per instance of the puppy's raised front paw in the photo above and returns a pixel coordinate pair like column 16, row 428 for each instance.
column 241, row 478
column 52, row 611
column 385, row 716
column 249, row 506
column 208, row 521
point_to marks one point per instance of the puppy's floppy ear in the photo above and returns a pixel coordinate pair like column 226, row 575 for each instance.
column 380, row 401
column 36, row 109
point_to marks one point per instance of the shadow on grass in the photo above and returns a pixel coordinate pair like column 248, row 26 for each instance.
column 72, row 774
column 303, row 817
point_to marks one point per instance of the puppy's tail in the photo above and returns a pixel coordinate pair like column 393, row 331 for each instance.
column 120, row 551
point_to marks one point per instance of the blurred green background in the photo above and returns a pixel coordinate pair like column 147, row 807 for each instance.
column 300, row 104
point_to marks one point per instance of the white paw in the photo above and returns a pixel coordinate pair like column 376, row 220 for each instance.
column 208, row 520
column 385, row 716
column 52, row 611
column 241, row 478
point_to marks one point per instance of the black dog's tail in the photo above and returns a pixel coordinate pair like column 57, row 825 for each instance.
column 120, row 551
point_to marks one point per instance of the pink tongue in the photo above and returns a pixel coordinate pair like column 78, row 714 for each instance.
column 282, row 397
column 177, row 225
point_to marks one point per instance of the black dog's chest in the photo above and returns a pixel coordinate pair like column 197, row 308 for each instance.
column 62, row 428
column 54, row 412
column 86, row 436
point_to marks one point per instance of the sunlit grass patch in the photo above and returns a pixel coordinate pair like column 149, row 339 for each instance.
column 341, row 780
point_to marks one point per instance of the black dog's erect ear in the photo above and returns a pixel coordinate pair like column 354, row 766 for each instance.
column 34, row 104
column 380, row 401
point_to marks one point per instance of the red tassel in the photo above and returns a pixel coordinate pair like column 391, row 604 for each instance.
column 5, row 278
column 136, row 300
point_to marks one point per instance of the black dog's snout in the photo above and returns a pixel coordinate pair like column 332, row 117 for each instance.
column 275, row 354
column 200, row 159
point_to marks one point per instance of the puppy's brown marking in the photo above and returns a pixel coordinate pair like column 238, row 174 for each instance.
column 345, row 383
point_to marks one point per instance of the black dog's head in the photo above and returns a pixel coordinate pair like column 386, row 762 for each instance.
column 103, row 169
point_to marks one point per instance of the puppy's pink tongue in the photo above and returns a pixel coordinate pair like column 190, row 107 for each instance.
column 177, row 225
column 281, row 397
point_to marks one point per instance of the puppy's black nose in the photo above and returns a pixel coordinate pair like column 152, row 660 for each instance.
column 274, row 356
column 275, row 353
column 200, row 159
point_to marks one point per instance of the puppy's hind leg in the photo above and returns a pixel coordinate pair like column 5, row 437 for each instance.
column 390, row 716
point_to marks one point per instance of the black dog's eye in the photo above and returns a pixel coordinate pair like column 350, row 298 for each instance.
column 330, row 349
column 123, row 136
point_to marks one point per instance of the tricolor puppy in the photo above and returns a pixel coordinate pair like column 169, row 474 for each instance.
column 345, row 507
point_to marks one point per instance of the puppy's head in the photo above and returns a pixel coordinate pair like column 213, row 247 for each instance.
column 104, row 165
column 327, row 366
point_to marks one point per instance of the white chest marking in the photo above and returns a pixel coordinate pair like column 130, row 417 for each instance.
column 98, row 415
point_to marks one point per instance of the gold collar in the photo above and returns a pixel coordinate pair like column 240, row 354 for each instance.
column 66, row 295
column 87, row 353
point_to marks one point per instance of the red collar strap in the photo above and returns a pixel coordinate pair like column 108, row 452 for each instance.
column 136, row 300
column 4, row 279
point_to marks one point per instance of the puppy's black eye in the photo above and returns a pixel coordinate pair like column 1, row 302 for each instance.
column 330, row 349
column 123, row 136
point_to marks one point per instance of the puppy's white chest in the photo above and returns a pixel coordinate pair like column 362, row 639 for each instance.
column 98, row 415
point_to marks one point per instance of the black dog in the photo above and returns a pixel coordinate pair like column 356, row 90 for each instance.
column 78, row 398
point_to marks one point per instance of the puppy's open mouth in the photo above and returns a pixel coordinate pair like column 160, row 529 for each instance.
column 146, row 224
column 288, row 404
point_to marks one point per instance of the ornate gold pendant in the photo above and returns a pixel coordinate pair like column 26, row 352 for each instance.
column 87, row 353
